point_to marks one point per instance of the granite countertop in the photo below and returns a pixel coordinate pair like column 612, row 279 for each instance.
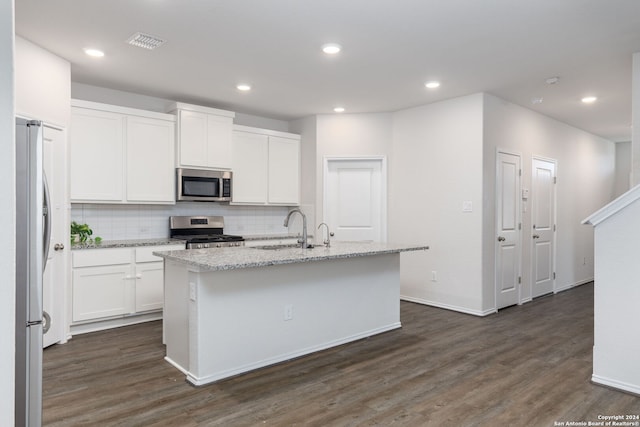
column 132, row 243
column 246, row 257
column 105, row 244
column 274, row 236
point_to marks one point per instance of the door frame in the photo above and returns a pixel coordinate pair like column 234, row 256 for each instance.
column 327, row 160
column 64, row 276
column 495, row 225
column 555, row 222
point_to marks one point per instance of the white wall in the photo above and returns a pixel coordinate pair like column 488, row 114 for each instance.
column 635, row 119
column 348, row 135
column 585, row 183
column 617, row 292
column 307, row 129
column 144, row 102
column 43, row 84
column 7, row 215
column 623, row 168
column 436, row 165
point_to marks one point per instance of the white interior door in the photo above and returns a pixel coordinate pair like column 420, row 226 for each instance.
column 54, row 163
column 355, row 198
column 508, row 226
column 543, row 214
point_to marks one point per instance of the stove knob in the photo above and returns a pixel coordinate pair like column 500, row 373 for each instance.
column 198, row 246
column 218, row 245
column 206, row 245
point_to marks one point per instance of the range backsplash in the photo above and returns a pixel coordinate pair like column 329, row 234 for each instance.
column 117, row 222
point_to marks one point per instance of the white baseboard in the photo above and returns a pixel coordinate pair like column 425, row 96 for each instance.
column 197, row 381
column 101, row 325
column 620, row 385
column 459, row 309
column 573, row 285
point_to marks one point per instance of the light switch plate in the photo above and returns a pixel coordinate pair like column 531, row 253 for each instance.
column 467, row 206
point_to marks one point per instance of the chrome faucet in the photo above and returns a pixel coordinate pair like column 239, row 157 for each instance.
column 303, row 240
column 327, row 242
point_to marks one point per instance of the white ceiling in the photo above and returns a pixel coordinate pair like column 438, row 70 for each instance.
column 390, row 49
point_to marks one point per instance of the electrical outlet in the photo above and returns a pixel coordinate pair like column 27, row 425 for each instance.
column 288, row 312
column 434, row 276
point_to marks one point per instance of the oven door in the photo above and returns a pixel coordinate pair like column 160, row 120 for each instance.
column 203, row 185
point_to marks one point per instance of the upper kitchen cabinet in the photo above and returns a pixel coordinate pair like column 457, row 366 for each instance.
column 266, row 167
column 121, row 155
column 203, row 136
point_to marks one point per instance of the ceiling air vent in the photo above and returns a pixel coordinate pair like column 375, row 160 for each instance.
column 145, row 41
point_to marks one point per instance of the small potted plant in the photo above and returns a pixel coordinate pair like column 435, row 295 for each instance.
column 81, row 233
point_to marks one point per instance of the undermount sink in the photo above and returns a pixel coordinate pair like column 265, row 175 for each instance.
column 277, row 247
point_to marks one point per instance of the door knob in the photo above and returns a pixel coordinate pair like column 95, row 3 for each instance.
column 535, row 236
column 58, row 247
column 501, row 239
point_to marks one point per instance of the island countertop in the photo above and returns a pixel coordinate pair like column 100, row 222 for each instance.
column 247, row 257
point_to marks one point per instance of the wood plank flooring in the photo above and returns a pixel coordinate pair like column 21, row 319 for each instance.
column 527, row 365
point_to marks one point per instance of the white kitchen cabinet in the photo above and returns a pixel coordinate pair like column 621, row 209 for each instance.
column 284, row 171
column 101, row 283
column 96, row 149
column 203, row 136
column 150, row 160
column 266, row 167
column 121, row 155
column 250, row 168
column 117, row 282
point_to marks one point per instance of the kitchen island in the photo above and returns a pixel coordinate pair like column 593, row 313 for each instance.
column 233, row 310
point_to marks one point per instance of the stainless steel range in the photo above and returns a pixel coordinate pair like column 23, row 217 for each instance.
column 202, row 232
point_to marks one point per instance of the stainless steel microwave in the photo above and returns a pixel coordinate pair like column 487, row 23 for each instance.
column 203, row 185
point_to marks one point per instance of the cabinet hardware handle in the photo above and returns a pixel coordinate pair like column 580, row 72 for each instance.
column 535, row 236
column 501, row 239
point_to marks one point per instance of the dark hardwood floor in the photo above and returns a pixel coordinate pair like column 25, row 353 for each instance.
column 527, row 365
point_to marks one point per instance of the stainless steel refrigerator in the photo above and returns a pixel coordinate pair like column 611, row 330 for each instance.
column 32, row 243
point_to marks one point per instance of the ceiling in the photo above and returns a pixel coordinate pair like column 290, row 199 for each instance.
column 508, row 48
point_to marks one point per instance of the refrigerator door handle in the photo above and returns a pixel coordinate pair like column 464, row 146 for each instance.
column 46, row 213
column 46, row 322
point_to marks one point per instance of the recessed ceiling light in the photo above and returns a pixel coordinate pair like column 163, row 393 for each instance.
column 432, row 84
column 536, row 100
column 552, row 80
column 331, row 48
column 243, row 87
column 589, row 99
column 339, row 109
column 146, row 41
column 94, row 52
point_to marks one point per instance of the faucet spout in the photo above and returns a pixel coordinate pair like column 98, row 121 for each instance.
column 303, row 240
column 326, row 242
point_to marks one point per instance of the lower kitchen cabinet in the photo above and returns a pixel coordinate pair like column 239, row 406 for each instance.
column 114, row 283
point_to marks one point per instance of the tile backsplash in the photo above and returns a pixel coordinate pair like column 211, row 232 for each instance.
column 117, row 222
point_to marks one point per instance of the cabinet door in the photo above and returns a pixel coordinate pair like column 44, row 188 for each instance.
column 150, row 164
column 205, row 140
column 100, row 292
column 219, row 135
column 96, row 144
column 149, row 286
column 284, row 171
column 193, row 139
column 250, row 162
